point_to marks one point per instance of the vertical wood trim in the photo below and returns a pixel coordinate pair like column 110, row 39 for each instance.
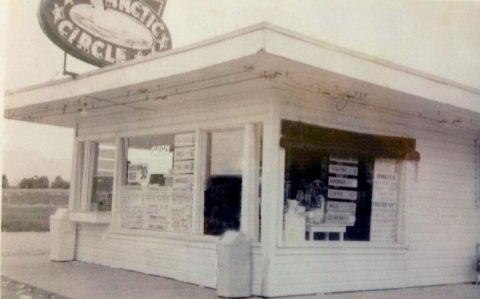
column 199, row 175
column 248, row 181
column 411, row 171
column 281, row 199
column 257, row 178
column 91, row 149
column 85, row 178
column 270, row 187
column 401, row 198
column 118, row 181
column 73, row 176
column 75, row 195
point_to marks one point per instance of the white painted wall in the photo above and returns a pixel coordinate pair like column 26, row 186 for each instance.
column 186, row 258
column 441, row 227
column 442, row 224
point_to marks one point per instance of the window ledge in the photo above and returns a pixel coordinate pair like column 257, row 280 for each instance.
column 183, row 239
column 90, row 217
column 345, row 247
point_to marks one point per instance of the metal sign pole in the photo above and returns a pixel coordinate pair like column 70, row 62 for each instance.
column 65, row 72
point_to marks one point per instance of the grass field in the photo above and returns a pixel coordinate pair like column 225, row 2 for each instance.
column 26, row 210
column 26, row 219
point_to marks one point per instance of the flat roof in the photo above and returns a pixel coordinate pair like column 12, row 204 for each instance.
column 257, row 52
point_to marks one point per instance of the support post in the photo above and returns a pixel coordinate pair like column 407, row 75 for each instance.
column 270, row 191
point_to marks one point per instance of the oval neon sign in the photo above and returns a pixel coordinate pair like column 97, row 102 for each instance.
column 103, row 32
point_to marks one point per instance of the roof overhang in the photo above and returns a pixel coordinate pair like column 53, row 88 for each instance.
column 258, row 53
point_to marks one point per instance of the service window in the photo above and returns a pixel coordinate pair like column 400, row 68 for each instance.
column 103, row 158
column 157, row 193
column 341, row 186
column 223, row 192
column 92, row 184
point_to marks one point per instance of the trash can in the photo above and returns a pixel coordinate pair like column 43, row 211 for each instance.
column 234, row 265
column 62, row 237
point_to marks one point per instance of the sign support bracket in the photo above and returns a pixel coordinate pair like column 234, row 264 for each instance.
column 65, row 72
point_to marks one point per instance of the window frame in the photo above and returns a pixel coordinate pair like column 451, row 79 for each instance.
column 404, row 172
column 252, row 132
column 82, row 171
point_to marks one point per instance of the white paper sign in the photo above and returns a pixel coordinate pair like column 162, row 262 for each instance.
column 344, row 160
column 184, row 153
column 183, row 181
column 342, row 182
column 187, row 139
column 137, row 173
column 132, row 207
column 341, row 169
column 157, row 208
column 344, row 218
column 383, row 226
column 342, row 194
column 183, row 167
column 337, row 206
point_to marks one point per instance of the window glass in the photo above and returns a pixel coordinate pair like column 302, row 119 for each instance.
column 150, row 160
column 226, row 153
column 103, row 173
column 330, row 197
column 158, row 190
column 224, row 184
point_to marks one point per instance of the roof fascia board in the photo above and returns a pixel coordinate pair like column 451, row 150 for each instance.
column 305, row 50
column 238, row 44
column 248, row 41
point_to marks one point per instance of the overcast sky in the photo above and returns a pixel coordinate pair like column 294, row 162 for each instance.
column 442, row 38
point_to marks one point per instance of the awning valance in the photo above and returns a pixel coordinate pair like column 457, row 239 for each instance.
column 301, row 135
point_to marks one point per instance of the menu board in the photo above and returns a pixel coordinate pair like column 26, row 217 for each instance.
column 181, row 211
column 163, row 208
column 132, row 207
column 384, row 201
column 343, row 184
column 157, row 208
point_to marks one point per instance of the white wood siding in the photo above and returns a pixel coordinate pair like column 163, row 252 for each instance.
column 185, row 259
column 189, row 261
column 442, row 224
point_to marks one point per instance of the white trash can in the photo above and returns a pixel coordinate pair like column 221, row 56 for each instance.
column 62, row 237
column 234, row 265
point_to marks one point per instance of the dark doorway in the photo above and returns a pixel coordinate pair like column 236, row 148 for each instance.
column 222, row 204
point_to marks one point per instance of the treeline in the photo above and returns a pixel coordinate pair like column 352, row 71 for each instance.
column 37, row 182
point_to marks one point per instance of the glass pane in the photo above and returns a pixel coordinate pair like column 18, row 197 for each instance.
column 150, row 160
column 339, row 198
column 224, row 185
column 158, row 194
column 226, row 153
column 104, row 169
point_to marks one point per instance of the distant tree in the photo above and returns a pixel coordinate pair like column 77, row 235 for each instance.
column 5, row 181
column 59, row 183
column 43, row 182
column 25, row 183
column 35, row 183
